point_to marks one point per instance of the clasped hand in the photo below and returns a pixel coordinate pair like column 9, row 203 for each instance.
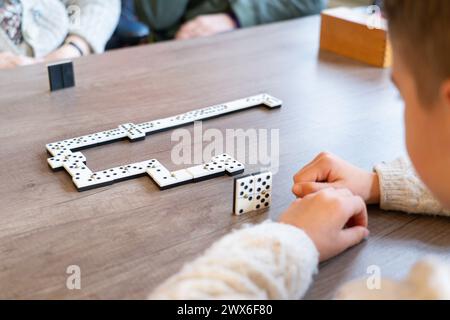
column 331, row 203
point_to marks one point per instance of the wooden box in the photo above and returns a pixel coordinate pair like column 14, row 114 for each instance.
column 349, row 33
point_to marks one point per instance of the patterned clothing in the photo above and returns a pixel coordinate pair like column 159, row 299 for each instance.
column 36, row 28
column 11, row 20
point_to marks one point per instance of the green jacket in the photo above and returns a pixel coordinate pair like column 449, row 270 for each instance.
column 165, row 17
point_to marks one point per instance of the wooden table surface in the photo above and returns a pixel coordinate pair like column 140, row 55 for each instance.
column 129, row 237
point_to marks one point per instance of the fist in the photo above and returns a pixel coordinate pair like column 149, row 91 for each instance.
column 329, row 171
column 334, row 219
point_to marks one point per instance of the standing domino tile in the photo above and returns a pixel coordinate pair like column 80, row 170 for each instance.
column 61, row 75
column 244, row 192
column 263, row 190
column 252, row 192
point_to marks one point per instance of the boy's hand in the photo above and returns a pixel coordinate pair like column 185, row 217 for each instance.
column 327, row 170
column 206, row 25
column 334, row 219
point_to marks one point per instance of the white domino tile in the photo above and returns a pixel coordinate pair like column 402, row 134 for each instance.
column 125, row 172
column 271, row 101
column 199, row 172
column 206, row 170
column 161, row 124
column 165, row 179
column 263, row 190
column 234, row 166
column 111, row 135
column 99, row 178
column 244, row 193
column 76, row 167
column 253, row 192
column 157, row 125
column 182, row 176
column 57, row 162
column 263, row 181
column 231, row 165
column 146, row 127
column 58, row 149
column 161, row 175
column 133, row 132
column 84, row 182
column 110, row 176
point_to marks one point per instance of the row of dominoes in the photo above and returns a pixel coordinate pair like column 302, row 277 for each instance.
column 84, row 178
column 209, row 112
column 61, row 147
column 127, row 130
column 251, row 192
column 218, row 166
column 182, row 119
column 138, row 132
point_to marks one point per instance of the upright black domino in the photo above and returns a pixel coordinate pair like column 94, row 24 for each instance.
column 61, row 75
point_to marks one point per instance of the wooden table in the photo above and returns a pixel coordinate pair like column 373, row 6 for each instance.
column 129, row 237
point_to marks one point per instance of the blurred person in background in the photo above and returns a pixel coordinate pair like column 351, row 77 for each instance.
column 187, row 19
column 33, row 31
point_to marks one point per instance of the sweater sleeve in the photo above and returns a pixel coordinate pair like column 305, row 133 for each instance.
column 267, row 261
column 93, row 20
column 254, row 12
column 402, row 190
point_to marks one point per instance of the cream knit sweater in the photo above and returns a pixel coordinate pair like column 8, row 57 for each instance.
column 47, row 23
column 277, row 261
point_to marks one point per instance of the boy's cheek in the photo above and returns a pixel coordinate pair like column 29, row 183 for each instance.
column 420, row 143
column 416, row 140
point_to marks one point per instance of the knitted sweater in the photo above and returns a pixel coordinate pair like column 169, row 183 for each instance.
column 277, row 261
column 46, row 24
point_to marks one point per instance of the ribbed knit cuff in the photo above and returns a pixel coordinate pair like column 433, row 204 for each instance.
column 402, row 190
column 393, row 193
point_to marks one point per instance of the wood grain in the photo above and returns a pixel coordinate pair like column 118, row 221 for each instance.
column 129, row 237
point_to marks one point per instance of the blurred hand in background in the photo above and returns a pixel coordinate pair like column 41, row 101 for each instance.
column 206, row 25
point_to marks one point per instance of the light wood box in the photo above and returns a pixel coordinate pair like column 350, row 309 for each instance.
column 346, row 32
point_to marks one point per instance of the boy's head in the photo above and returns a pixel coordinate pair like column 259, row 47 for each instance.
column 420, row 35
